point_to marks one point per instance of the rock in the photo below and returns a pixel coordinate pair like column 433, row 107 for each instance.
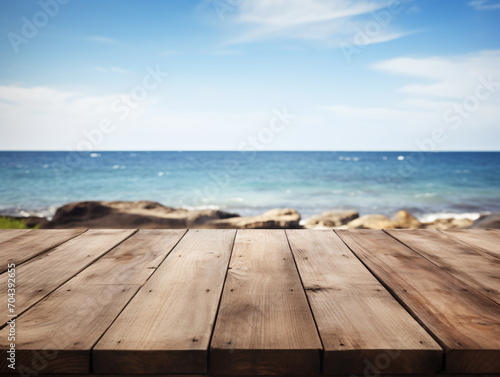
column 450, row 223
column 331, row 219
column 144, row 214
column 33, row 221
column 487, row 222
column 153, row 215
column 371, row 222
column 128, row 215
column 405, row 220
column 274, row 219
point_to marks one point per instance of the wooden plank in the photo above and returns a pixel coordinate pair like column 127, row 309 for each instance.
column 359, row 322
column 48, row 271
column 58, row 332
column 264, row 325
column 26, row 246
column 488, row 240
column 480, row 271
column 167, row 326
column 463, row 321
column 6, row 234
column 133, row 261
column 81, row 310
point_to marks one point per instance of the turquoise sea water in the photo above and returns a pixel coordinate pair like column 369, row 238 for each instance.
column 427, row 184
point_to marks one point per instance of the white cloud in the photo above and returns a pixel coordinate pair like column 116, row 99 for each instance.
column 383, row 37
column 289, row 13
column 330, row 22
column 451, row 77
column 48, row 118
column 484, row 5
column 100, row 39
column 112, row 69
column 450, row 83
column 33, row 118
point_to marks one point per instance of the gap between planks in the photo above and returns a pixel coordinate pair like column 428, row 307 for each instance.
column 167, row 326
column 64, row 262
column 357, row 318
column 21, row 249
column 264, row 325
column 477, row 269
column 463, row 321
column 71, row 320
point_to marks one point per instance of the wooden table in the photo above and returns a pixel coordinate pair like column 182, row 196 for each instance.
column 251, row 302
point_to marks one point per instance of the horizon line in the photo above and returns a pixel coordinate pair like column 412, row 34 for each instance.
column 245, row 151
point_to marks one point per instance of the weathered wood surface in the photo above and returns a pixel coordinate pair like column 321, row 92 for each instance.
column 479, row 270
column 264, row 324
column 70, row 321
column 133, row 261
column 167, row 326
column 465, row 322
column 43, row 274
column 65, row 326
column 357, row 317
column 32, row 243
column 485, row 239
column 6, row 234
column 268, row 302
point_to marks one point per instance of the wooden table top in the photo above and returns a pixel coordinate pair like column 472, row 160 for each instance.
column 250, row 302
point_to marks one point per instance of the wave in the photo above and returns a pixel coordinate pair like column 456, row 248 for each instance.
column 199, row 208
column 430, row 217
column 47, row 212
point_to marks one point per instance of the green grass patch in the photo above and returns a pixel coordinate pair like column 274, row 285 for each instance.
column 6, row 223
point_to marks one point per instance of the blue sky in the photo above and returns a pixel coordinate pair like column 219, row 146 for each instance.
column 250, row 74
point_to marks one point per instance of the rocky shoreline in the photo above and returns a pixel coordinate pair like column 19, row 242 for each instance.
column 153, row 215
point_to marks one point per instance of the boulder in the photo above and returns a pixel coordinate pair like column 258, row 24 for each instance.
column 371, row 222
column 405, row 220
column 129, row 215
column 274, row 219
column 487, row 222
column 331, row 219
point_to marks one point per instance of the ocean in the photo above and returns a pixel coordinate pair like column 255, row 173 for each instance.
column 429, row 185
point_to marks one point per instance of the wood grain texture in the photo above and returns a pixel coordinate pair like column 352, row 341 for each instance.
column 488, row 240
column 57, row 335
column 133, row 261
column 359, row 322
column 6, row 234
column 43, row 274
column 167, row 327
column 62, row 328
column 264, row 325
column 32, row 243
column 465, row 322
column 480, row 271
column 96, row 295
